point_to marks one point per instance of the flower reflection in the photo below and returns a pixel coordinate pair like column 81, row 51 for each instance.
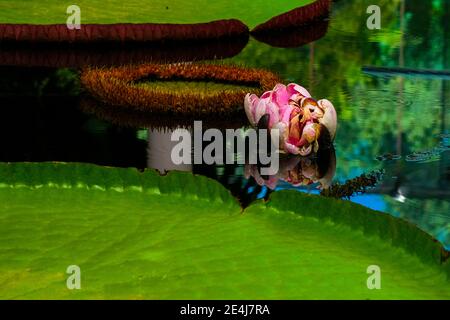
column 299, row 171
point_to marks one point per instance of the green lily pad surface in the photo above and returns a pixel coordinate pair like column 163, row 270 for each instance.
column 200, row 87
column 140, row 235
column 141, row 11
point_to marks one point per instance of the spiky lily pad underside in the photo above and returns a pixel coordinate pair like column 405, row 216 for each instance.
column 120, row 87
column 181, row 236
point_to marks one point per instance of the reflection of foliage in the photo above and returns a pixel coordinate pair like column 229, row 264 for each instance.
column 40, row 81
column 428, row 22
column 67, row 81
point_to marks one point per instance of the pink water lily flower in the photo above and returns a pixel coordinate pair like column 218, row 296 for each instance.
column 300, row 119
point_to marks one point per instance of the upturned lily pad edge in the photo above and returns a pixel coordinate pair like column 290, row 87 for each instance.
column 400, row 233
column 65, row 175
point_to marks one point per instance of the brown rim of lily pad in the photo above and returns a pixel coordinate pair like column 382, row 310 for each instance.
column 294, row 37
column 121, row 32
column 297, row 17
column 124, row 117
column 119, row 87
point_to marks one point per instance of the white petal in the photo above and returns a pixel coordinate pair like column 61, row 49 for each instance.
column 248, row 106
column 282, row 133
column 329, row 119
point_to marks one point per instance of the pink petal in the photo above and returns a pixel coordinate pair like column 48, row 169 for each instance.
column 273, row 111
column 261, row 109
column 253, row 171
column 266, row 94
column 282, row 133
column 248, row 171
column 290, row 148
column 309, row 172
column 285, row 114
column 272, row 182
column 250, row 103
column 280, row 95
column 294, row 88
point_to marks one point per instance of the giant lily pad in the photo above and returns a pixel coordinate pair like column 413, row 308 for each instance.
column 157, row 22
column 138, row 11
column 141, row 235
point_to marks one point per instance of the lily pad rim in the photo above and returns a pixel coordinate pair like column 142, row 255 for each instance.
column 97, row 167
column 117, row 86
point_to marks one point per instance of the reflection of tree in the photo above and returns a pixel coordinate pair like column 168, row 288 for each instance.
column 39, row 81
column 425, row 21
column 368, row 106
